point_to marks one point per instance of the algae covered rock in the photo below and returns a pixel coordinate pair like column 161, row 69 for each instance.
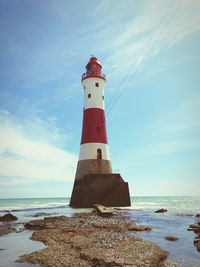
column 171, row 238
column 8, row 217
column 161, row 210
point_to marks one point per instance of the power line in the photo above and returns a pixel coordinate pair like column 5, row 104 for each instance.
column 166, row 19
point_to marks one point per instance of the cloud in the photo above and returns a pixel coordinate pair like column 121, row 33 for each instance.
column 24, row 160
column 175, row 146
column 157, row 27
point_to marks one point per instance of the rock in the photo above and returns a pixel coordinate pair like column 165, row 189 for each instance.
column 39, row 214
column 79, row 241
column 161, row 210
column 196, row 228
column 183, row 215
column 8, row 217
column 6, row 229
column 197, row 244
column 34, row 225
column 126, row 253
column 46, row 223
column 198, row 215
column 138, row 228
column 171, row 238
column 91, row 240
column 169, row 263
column 193, row 226
column 103, row 211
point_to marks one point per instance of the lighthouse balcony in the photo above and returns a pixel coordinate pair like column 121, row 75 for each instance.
column 93, row 74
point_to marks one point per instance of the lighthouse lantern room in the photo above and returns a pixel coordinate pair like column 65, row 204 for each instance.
column 94, row 181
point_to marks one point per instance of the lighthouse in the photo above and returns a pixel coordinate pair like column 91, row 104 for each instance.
column 95, row 183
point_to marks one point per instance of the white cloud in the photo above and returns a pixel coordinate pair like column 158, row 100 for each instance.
column 5, row 181
column 159, row 26
column 24, row 160
column 175, row 146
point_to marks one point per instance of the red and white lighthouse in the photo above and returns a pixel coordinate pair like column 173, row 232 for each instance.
column 94, row 168
column 94, row 151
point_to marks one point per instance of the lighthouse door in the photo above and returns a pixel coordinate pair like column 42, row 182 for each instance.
column 99, row 153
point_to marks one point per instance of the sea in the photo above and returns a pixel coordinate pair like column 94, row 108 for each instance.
column 181, row 213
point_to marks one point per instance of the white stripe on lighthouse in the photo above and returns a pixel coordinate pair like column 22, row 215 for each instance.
column 93, row 95
column 89, row 151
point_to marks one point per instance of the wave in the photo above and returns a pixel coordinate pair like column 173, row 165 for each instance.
column 42, row 207
column 173, row 204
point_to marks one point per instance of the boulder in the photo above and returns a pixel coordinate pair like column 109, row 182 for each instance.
column 46, row 223
column 161, row 210
column 8, row 217
column 194, row 227
column 6, row 228
column 171, row 238
column 198, row 215
column 34, row 225
column 197, row 244
column 138, row 228
column 103, row 211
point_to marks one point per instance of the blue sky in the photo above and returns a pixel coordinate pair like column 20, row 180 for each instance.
column 149, row 50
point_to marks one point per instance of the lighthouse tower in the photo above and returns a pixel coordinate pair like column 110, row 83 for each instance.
column 94, row 152
column 94, row 181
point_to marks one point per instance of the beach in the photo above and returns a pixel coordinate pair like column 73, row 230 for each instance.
column 180, row 214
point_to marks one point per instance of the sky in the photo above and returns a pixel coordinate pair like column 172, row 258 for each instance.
column 149, row 51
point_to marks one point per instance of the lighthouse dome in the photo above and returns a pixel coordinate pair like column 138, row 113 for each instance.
column 94, row 60
column 93, row 69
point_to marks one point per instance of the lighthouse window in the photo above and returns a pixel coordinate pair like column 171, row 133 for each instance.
column 89, row 95
column 102, row 97
column 98, row 130
column 97, row 84
column 99, row 153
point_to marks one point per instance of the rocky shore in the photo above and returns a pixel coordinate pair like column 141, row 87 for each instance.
column 7, row 225
column 196, row 228
column 91, row 240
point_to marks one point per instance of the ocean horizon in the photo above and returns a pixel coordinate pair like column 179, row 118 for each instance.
column 172, row 203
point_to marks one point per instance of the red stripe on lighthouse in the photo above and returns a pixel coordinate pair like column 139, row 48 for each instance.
column 94, row 126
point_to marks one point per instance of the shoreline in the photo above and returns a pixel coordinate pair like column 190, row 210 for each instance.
column 88, row 239
column 182, row 251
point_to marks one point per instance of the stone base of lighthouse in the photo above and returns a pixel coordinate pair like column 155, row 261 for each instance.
column 92, row 166
column 106, row 189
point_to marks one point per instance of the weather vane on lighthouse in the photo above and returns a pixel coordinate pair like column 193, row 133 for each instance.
column 94, row 182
